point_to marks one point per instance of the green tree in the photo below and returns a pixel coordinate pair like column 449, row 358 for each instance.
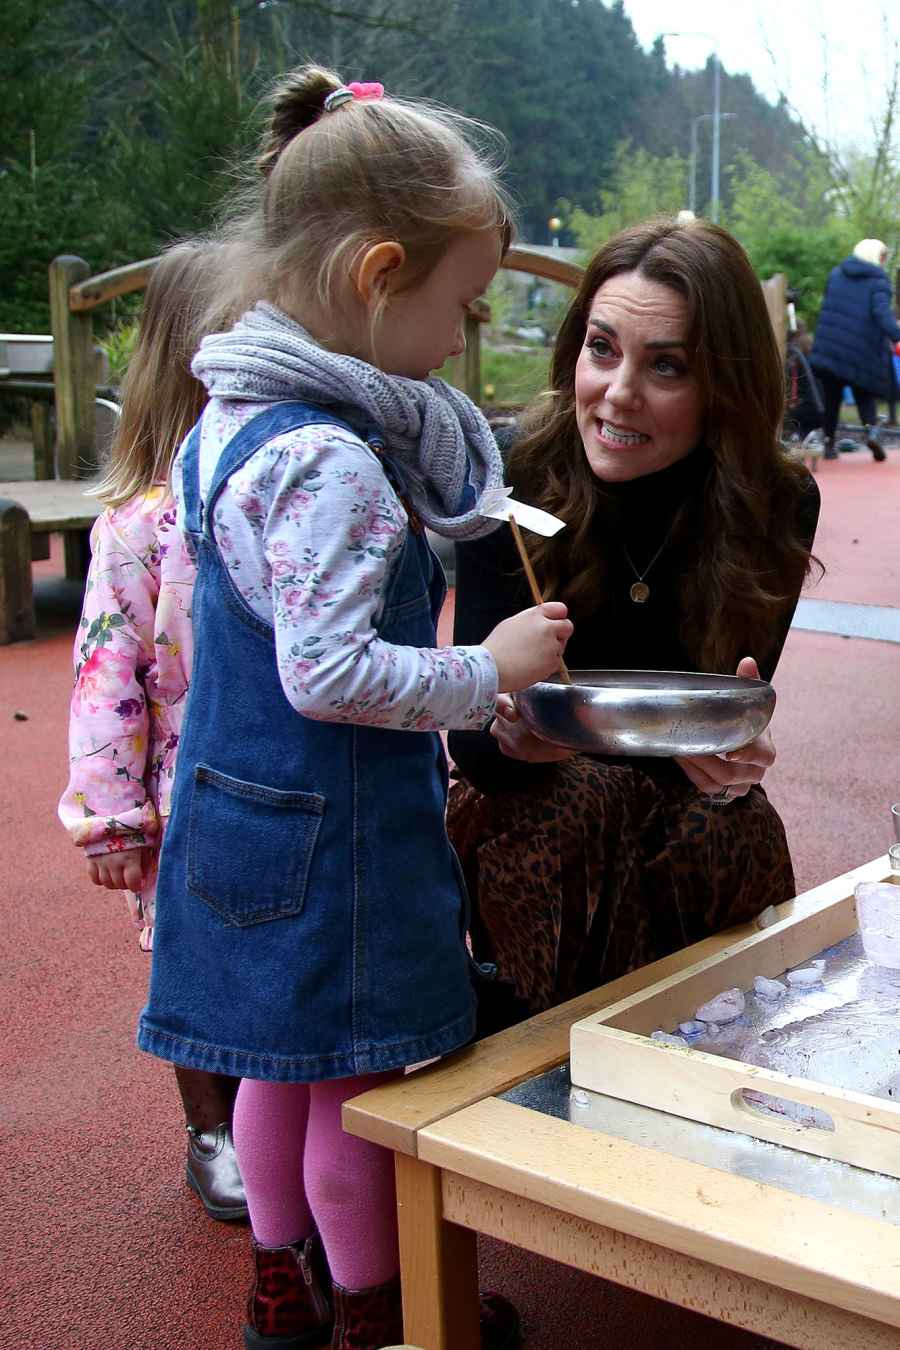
column 639, row 185
column 796, row 226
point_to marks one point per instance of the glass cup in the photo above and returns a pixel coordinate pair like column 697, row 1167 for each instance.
column 894, row 856
column 895, row 817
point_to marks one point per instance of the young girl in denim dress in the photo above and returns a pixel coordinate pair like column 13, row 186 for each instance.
column 133, row 661
column 311, row 928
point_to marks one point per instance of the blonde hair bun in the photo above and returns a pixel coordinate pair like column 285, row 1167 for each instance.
column 295, row 103
column 376, row 168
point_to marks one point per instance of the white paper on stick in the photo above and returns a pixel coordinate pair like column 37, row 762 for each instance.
column 499, row 504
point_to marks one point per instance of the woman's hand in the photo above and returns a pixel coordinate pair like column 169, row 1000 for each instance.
column 121, row 871
column 516, row 741
column 732, row 775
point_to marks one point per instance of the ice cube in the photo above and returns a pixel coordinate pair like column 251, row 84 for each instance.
column 725, row 1007
column 666, row 1038
column 878, row 912
column 693, row 1028
column 580, row 1098
column 768, row 988
column 768, row 916
column 804, row 977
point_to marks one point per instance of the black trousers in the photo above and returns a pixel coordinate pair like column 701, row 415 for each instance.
column 833, row 392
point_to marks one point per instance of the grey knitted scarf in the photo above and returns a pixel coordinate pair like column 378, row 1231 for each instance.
column 435, row 434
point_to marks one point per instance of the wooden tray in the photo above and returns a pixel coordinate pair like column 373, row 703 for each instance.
column 611, row 1051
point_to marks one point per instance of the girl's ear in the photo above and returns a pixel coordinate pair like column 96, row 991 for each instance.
column 372, row 274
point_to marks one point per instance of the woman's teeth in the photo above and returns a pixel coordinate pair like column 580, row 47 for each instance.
column 620, row 436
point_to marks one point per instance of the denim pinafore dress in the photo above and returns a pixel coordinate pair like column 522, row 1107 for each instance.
column 311, row 913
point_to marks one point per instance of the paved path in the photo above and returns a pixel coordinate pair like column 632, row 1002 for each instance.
column 105, row 1246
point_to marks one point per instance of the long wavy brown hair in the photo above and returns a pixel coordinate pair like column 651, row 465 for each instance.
column 161, row 399
column 750, row 555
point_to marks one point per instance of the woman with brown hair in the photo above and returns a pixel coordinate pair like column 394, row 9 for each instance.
column 688, row 538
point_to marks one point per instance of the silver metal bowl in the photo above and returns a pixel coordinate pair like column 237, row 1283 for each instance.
column 647, row 712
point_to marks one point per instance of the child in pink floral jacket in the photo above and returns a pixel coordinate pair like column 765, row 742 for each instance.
column 132, row 665
column 133, row 662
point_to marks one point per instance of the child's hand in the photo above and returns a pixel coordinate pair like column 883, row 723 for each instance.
column 528, row 646
column 124, row 871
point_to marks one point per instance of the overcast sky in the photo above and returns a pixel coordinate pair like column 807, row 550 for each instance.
column 809, row 40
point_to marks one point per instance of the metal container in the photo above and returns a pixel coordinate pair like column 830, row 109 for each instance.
column 647, row 712
column 28, row 354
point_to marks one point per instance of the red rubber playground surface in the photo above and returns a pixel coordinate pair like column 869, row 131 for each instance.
column 104, row 1244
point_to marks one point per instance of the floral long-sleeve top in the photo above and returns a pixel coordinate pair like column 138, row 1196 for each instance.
column 132, row 664
column 308, row 529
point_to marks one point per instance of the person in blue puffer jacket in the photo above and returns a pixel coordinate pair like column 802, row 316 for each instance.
column 851, row 342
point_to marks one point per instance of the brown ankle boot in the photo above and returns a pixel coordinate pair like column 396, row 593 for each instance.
column 369, row 1319
column 288, row 1307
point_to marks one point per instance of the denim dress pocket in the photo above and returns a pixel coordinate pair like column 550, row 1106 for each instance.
column 249, row 847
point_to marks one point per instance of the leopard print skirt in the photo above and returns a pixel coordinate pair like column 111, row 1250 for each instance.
column 605, row 867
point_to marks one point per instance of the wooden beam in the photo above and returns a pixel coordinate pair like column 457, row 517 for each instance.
column 94, row 291
column 775, row 293
column 471, row 362
column 519, row 259
column 42, row 440
column 74, row 371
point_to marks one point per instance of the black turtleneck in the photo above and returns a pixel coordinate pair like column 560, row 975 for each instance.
column 647, row 526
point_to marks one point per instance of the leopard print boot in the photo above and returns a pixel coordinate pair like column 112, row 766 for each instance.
column 369, row 1319
column 289, row 1306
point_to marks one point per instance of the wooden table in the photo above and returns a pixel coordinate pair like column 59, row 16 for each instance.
column 29, row 513
column 771, row 1260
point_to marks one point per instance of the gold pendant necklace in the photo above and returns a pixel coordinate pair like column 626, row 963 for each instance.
column 639, row 590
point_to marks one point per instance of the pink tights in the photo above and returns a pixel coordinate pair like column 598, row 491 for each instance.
column 300, row 1168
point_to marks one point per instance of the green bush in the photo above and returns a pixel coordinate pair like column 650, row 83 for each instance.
column 508, row 378
column 515, row 377
column 119, row 344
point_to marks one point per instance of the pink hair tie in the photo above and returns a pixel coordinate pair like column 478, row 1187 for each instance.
column 365, row 91
column 349, row 91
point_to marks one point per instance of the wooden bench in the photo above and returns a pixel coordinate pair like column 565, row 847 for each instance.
column 29, row 513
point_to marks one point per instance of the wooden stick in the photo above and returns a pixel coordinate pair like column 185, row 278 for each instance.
column 533, row 582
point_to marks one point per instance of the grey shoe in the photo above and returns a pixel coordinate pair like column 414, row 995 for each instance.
column 212, row 1170
column 873, row 441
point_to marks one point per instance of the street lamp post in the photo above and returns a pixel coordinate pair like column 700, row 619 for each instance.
column 716, row 113
column 704, row 117
column 717, row 118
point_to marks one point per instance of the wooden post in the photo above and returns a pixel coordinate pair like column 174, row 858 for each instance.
column 775, row 293
column 73, row 371
column 42, row 440
column 76, row 554
column 16, row 596
column 438, row 1264
column 472, row 359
